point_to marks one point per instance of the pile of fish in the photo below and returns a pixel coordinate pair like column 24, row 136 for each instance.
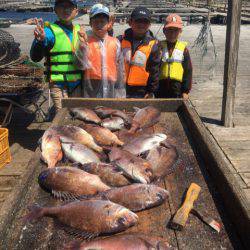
column 109, row 178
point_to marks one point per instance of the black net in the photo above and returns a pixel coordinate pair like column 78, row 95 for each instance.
column 9, row 49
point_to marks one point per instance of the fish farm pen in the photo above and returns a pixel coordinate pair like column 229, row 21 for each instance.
column 200, row 161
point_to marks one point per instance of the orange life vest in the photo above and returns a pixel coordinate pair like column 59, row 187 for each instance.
column 102, row 57
column 135, row 66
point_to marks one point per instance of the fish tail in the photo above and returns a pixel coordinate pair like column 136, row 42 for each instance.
column 35, row 213
column 98, row 149
column 119, row 142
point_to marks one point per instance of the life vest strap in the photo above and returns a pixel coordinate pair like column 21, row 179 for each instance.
column 57, row 63
column 64, row 72
column 60, row 53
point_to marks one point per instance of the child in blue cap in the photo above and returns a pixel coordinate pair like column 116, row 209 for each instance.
column 100, row 56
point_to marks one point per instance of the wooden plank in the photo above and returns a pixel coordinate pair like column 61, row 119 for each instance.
column 167, row 105
column 237, row 154
column 244, row 145
column 246, row 178
column 241, row 166
column 240, row 180
column 231, row 61
column 189, row 171
column 216, row 163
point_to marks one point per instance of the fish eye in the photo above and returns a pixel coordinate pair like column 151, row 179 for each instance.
column 121, row 220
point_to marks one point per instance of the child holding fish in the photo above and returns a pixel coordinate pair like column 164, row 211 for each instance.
column 56, row 42
column 176, row 68
column 99, row 55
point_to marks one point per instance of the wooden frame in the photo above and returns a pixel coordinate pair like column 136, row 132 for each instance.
column 216, row 163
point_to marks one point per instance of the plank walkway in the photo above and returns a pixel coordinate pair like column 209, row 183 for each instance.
column 206, row 96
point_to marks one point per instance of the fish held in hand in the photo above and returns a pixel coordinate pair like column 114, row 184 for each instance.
column 108, row 173
column 102, row 136
column 144, row 118
column 133, row 167
column 89, row 217
column 85, row 114
column 68, row 182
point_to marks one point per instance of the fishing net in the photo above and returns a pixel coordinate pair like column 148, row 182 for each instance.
column 20, row 76
column 204, row 47
column 9, row 49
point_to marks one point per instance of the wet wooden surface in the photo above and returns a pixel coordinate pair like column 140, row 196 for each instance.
column 45, row 234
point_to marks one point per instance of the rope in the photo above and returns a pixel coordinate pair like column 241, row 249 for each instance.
column 204, row 38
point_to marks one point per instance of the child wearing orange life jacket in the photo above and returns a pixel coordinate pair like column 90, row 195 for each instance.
column 100, row 56
column 176, row 67
column 142, row 55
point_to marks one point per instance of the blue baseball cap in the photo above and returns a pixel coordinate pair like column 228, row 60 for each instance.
column 98, row 9
column 74, row 2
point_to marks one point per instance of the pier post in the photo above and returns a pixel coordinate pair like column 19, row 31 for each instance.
column 231, row 61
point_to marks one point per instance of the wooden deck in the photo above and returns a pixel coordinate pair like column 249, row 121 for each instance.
column 153, row 221
column 206, row 96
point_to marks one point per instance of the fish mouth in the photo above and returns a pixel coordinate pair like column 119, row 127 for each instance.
column 162, row 195
column 126, row 219
column 42, row 180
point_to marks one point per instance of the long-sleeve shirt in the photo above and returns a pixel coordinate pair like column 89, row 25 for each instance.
column 40, row 49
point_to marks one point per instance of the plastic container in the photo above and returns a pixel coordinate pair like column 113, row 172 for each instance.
column 5, row 156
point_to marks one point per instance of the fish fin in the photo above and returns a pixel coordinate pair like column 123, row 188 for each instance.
column 86, row 197
column 64, row 196
column 35, row 213
column 78, row 233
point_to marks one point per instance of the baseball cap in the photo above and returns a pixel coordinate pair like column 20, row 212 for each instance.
column 98, row 9
column 74, row 2
column 173, row 20
column 141, row 13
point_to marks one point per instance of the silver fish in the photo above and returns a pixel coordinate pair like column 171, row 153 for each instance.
column 85, row 114
column 77, row 152
column 142, row 144
column 134, row 167
column 114, row 123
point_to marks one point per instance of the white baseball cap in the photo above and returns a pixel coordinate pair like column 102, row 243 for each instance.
column 98, row 9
